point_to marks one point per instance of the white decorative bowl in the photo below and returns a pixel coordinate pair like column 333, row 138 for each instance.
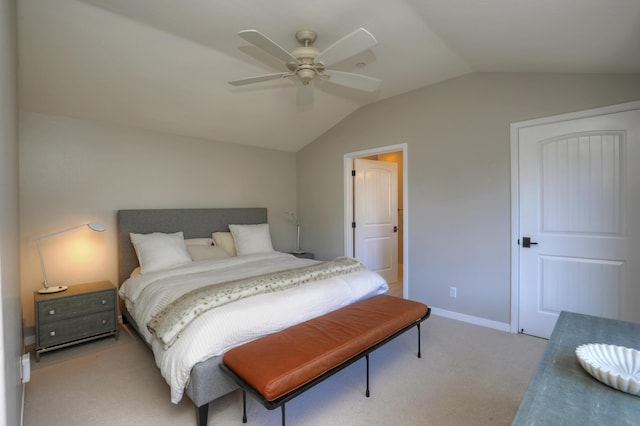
column 616, row 366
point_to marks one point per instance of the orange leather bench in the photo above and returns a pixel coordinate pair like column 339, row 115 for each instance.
column 278, row 367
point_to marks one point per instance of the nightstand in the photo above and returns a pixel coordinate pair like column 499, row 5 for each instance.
column 82, row 313
column 304, row 255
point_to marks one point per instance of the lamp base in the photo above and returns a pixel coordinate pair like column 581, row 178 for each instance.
column 55, row 289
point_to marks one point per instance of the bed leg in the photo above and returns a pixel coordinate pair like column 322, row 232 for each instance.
column 244, row 407
column 419, row 354
column 202, row 413
column 367, row 392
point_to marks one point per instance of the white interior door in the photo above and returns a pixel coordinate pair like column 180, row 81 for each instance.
column 579, row 189
column 376, row 216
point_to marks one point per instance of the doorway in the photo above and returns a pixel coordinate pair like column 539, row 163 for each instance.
column 396, row 154
column 575, row 217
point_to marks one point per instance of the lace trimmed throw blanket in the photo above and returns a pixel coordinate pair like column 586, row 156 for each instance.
column 167, row 324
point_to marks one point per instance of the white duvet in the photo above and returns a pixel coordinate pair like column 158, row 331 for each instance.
column 225, row 327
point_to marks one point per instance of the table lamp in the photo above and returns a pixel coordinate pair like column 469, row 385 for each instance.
column 294, row 218
column 46, row 290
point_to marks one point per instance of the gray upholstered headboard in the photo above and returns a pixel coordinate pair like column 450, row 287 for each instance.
column 194, row 223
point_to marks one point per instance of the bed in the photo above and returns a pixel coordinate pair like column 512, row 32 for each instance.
column 198, row 374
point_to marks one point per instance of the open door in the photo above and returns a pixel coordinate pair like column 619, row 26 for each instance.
column 376, row 216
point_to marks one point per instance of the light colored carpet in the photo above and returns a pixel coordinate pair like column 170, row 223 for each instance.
column 468, row 375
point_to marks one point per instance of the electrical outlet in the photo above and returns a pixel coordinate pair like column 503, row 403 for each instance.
column 453, row 292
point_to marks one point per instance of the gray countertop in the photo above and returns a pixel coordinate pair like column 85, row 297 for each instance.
column 561, row 392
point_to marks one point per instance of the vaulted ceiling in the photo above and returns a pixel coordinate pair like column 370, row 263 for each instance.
column 165, row 64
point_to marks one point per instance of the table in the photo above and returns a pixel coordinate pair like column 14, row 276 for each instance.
column 561, row 392
column 83, row 312
column 303, row 254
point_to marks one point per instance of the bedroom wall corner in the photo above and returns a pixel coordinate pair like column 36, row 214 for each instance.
column 11, row 388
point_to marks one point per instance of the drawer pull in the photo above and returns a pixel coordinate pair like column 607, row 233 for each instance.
column 104, row 302
column 52, row 333
column 104, row 321
column 52, row 312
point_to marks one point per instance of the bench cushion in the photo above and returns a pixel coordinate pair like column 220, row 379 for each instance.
column 279, row 363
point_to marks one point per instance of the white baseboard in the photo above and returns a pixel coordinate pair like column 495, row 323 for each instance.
column 24, row 390
column 502, row 326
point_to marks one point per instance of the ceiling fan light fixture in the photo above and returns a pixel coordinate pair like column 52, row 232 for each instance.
column 306, row 74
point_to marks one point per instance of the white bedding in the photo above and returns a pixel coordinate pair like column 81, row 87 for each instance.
column 225, row 327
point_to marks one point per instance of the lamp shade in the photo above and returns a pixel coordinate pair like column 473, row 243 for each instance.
column 97, row 227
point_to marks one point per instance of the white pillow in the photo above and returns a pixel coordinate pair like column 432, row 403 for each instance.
column 251, row 238
column 158, row 251
column 199, row 252
column 198, row 242
column 224, row 240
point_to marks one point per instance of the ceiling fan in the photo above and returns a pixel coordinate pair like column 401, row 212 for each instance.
column 306, row 63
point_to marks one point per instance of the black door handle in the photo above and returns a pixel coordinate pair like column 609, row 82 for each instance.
column 526, row 242
column 395, row 229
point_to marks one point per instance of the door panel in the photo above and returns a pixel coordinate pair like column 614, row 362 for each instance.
column 376, row 216
column 578, row 187
column 582, row 179
column 568, row 284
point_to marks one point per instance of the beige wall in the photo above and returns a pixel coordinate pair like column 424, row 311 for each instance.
column 74, row 171
column 457, row 134
column 11, row 389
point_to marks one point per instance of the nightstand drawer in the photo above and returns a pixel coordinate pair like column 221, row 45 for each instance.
column 82, row 304
column 57, row 332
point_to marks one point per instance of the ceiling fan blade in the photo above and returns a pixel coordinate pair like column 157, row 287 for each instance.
column 305, row 94
column 348, row 46
column 259, row 78
column 354, row 81
column 265, row 43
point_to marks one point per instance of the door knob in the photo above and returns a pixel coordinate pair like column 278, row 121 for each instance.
column 526, row 242
column 395, row 229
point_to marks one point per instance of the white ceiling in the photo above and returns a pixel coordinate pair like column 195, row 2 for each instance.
column 164, row 64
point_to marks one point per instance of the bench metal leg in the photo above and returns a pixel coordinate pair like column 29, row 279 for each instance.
column 419, row 354
column 283, row 418
column 244, row 406
column 367, row 392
